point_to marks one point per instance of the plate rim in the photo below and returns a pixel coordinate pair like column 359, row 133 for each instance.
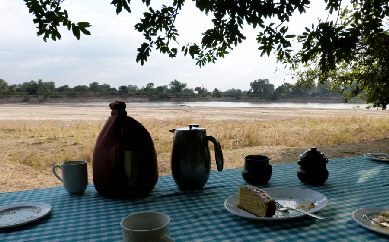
column 371, row 156
column 365, row 210
column 45, row 209
column 253, row 217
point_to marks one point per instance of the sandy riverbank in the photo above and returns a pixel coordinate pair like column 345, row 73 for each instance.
column 68, row 112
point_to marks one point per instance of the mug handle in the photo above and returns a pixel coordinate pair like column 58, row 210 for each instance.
column 166, row 238
column 55, row 172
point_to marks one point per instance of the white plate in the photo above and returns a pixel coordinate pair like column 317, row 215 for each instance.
column 22, row 213
column 370, row 213
column 290, row 197
column 378, row 156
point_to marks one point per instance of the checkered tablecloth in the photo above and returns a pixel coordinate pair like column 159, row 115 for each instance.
column 200, row 215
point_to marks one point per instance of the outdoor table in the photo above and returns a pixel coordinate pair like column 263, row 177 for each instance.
column 200, row 215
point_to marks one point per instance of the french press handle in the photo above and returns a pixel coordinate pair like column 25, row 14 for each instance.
column 218, row 152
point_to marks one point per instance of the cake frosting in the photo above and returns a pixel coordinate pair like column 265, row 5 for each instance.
column 256, row 201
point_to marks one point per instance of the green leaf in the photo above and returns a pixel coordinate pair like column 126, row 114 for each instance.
column 143, row 53
column 76, row 31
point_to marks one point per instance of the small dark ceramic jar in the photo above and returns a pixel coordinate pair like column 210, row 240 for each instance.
column 257, row 171
column 312, row 169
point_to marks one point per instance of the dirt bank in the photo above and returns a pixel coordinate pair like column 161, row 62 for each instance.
column 37, row 99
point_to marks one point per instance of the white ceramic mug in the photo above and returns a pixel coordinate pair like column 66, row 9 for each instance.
column 146, row 226
column 74, row 176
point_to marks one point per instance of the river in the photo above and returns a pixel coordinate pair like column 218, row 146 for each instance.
column 235, row 104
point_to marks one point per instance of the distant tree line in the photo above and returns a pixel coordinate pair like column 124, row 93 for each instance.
column 261, row 88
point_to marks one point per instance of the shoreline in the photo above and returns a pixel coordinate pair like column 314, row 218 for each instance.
column 37, row 99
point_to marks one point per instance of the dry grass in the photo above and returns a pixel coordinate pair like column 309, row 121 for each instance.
column 233, row 134
column 41, row 144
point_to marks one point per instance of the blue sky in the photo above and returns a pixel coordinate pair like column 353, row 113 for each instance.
column 108, row 55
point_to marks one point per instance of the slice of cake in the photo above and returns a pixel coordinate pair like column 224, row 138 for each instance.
column 256, row 201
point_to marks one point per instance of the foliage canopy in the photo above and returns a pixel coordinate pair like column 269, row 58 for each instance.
column 328, row 47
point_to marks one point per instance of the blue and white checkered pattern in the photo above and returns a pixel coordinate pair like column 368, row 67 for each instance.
column 200, row 215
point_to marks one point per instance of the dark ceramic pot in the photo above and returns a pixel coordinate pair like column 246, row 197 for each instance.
column 312, row 169
column 257, row 171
